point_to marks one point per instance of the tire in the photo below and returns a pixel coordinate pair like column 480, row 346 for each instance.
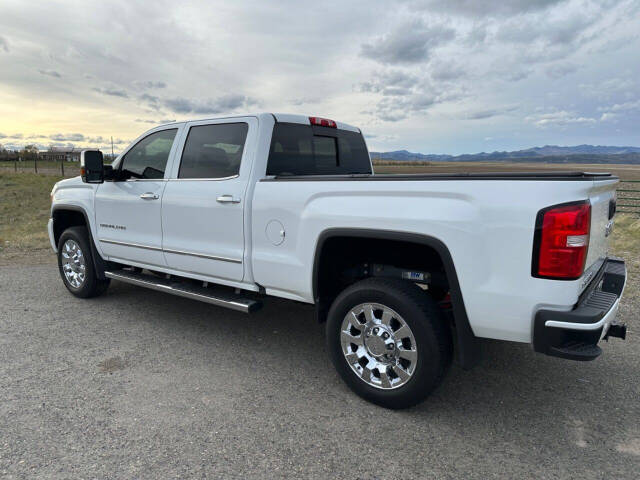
column 427, row 343
column 80, row 279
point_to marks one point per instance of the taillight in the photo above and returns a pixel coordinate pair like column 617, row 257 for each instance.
column 561, row 241
column 322, row 122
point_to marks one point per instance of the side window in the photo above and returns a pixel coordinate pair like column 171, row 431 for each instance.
column 213, row 151
column 148, row 158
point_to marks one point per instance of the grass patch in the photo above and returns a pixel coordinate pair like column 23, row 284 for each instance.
column 24, row 210
column 625, row 243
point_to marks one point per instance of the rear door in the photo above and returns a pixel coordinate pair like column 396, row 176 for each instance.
column 203, row 203
column 128, row 217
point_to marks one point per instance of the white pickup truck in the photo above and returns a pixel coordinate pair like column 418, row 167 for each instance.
column 404, row 269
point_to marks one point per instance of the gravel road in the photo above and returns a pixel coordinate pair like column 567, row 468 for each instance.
column 139, row 384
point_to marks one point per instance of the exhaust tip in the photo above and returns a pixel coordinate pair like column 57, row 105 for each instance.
column 617, row 330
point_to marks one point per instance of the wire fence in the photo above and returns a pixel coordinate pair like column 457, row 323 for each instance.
column 629, row 197
column 49, row 167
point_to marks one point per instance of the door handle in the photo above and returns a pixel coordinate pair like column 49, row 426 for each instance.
column 227, row 199
column 149, row 196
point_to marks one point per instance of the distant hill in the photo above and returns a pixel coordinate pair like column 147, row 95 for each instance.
column 548, row 153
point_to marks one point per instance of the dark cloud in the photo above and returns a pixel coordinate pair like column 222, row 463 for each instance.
column 4, row 44
column 404, row 94
column 56, row 144
column 475, row 8
column 494, row 112
column 304, row 101
column 477, row 35
column 155, row 122
column 393, row 109
column 538, row 28
column 151, row 100
column 67, row 137
column 409, row 43
column 113, row 92
column 149, row 84
column 446, row 71
column 50, row 73
column 226, row 103
column 392, row 81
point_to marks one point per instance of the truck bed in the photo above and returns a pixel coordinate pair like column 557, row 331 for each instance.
column 546, row 176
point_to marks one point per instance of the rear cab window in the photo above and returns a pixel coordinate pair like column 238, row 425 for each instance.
column 213, row 151
column 298, row 149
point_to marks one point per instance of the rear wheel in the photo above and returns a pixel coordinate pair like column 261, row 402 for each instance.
column 75, row 263
column 389, row 341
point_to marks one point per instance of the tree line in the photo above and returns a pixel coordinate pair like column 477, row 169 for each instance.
column 31, row 153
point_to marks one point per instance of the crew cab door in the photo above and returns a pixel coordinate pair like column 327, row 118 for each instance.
column 203, row 203
column 128, row 211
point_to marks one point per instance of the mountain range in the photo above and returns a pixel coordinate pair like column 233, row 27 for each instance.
column 548, row 153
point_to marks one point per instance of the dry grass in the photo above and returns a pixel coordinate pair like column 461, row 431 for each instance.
column 24, row 211
column 625, row 172
column 625, row 243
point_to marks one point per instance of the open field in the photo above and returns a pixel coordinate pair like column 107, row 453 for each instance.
column 24, row 211
column 625, row 172
column 70, row 169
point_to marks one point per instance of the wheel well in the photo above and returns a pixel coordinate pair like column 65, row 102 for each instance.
column 344, row 260
column 345, row 256
column 63, row 219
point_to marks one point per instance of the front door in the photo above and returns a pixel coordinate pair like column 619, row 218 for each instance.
column 128, row 212
column 203, row 203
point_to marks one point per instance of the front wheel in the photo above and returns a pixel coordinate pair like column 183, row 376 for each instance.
column 75, row 263
column 388, row 341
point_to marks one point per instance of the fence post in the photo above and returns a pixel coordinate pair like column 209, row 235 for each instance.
column 62, row 167
column 15, row 164
column 35, row 163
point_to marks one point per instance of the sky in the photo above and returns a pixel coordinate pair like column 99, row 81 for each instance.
column 430, row 76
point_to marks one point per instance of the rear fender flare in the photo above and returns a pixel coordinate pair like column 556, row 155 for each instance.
column 468, row 345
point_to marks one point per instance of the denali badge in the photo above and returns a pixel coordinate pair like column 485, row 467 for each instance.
column 115, row 227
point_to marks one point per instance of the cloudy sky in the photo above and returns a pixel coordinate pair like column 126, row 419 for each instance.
column 434, row 76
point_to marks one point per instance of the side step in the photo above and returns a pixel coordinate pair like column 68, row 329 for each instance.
column 212, row 295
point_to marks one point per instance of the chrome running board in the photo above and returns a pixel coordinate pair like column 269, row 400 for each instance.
column 212, row 295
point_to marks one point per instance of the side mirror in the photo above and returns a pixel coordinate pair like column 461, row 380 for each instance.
column 91, row 166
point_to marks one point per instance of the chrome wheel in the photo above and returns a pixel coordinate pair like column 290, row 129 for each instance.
column 73, row 264
column 378, row 345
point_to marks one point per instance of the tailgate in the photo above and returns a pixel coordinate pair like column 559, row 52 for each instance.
column 603, row 198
